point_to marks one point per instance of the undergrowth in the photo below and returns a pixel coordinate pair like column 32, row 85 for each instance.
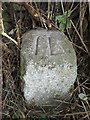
column 17, row 22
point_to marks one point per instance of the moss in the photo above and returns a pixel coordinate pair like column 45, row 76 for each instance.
column 71, row 88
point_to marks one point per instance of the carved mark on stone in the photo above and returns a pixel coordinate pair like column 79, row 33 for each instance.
column 48, row 44
column 36, row 45
column 44, row 46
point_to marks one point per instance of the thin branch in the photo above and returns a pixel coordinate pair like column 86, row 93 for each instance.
column 2, row 26
column 80, row 37
column 7, row 36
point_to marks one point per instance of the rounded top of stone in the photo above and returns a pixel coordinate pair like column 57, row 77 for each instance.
column 51, row 43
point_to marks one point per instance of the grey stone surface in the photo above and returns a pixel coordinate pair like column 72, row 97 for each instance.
column 48, row 66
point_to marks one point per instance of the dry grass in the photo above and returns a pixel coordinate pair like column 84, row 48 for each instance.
column 13, row 102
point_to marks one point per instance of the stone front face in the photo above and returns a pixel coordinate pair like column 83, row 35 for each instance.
column 48, row 66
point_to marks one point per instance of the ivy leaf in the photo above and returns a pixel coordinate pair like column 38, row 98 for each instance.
column 68, row 13
column 59, row 18
column 63, row 20
column 62, row 26
column 68, row 23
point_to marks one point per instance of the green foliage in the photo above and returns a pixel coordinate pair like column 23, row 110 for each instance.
column 16, row 115
column 42, row 117
column 63, row 20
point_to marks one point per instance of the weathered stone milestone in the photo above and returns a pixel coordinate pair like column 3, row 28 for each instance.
column 48, row 66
